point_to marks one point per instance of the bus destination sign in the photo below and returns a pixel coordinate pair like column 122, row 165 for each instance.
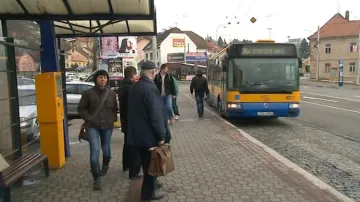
column 259, row 50
column 264, row 51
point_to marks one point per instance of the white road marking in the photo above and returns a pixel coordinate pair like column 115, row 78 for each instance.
column 338, row 108
column 357, row 96
column 316, row 98
column 312, row 178
column 341, row 98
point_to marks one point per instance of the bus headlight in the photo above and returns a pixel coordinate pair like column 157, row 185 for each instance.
column 234, row 105
column 294, row 106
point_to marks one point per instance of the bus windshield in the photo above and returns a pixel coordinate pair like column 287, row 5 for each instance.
column 263, row 75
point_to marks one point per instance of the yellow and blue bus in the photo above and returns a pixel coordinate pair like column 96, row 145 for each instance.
column 255, row 80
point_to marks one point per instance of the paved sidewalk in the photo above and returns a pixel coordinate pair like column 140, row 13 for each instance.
column 214, row 162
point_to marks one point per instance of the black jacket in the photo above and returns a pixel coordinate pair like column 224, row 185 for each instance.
column 169, row 84
column 89, row 104
column 147, row 124
column 199, row 84
column 123, row 102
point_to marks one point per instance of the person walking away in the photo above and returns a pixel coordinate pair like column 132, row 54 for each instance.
column 130, row 159
column 164, row 82
column 174, row 99
column 98, row 108
column 200, row 85
column 147, row 125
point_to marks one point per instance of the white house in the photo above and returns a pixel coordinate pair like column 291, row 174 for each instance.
column 172, row 45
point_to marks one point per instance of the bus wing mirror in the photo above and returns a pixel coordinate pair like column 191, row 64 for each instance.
column 300, row 63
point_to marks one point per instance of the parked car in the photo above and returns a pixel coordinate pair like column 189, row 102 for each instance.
column 74, row 91
column 25, row 81
column 28, row 112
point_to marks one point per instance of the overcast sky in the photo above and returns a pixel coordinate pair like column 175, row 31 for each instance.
column 294, row 18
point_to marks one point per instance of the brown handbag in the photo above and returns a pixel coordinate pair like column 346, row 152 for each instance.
column 83, row 134
column 161, row 161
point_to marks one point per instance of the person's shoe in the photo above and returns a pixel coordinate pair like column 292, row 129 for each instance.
column 159, row 185
column 176, row 117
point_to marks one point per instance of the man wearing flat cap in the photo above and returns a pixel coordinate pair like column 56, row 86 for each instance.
column 147, row 126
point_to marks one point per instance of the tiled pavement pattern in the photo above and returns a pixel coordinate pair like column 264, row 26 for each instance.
column 213, row 163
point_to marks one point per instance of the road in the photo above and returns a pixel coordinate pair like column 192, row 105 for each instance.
column 334, row 110
column 324, row 139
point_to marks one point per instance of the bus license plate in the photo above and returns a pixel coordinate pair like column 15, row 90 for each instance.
column 265, row 113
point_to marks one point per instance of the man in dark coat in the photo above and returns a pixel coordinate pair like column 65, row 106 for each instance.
column 130, row 159
column 147, row 126
column 199, row 84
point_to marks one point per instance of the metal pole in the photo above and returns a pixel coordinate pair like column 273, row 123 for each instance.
column 154, row 50
column 358, row 62
column 184, row 50
column 318, row 54
column 269, row 33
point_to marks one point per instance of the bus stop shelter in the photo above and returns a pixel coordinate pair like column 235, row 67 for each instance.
column 67, row 19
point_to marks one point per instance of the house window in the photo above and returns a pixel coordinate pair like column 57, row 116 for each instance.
column 327, row 67
column 352, row 67
column 328, row 48
column 353, row 47
column 146, row 56
column 151, row 56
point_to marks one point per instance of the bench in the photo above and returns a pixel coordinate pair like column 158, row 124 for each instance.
column 18, row 169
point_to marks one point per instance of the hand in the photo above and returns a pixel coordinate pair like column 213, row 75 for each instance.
column 174, row 96
column 161, row 142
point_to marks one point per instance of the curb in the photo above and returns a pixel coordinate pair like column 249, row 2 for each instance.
column 316, row 181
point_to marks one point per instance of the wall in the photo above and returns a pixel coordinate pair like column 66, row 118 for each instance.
column 340, row 50
column 140, row 46
column 166, row 46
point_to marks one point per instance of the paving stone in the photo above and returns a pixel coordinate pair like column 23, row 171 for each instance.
column 213, row 163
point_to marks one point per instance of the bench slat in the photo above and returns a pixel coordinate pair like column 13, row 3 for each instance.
column 19, row 164
column 20, row 160
column 19, row 168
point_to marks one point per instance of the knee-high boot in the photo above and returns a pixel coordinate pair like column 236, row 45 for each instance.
column 105, row 166
column 95, row 170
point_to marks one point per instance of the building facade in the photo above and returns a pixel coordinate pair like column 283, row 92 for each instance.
column 338, row 41
column 173, row 44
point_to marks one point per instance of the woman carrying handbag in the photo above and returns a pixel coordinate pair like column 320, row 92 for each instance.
column 98, row 108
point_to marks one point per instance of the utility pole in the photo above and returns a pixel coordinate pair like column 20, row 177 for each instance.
column 358, row 62
column 154, row 50
column 184, row 49
column 269, row 32
column 318, row 54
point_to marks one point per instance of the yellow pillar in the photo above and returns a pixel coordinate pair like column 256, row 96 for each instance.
column 50, row 112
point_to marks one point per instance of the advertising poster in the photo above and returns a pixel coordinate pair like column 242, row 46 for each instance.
column 178, row 42
column 109, row 47
column 127, row 46
column 196, row 57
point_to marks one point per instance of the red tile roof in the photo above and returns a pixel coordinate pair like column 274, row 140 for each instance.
column 338, row 26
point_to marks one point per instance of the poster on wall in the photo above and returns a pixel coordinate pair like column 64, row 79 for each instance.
column 178, row 42
column 127, row 46
column 109, row 47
